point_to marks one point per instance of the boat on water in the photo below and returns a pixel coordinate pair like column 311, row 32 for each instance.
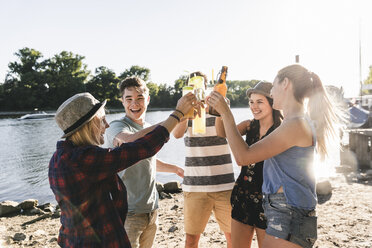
column 36, row 115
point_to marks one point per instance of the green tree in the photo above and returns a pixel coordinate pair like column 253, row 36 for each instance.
column 179, row 83
column 24, row 86
column 36, row 83
column 153, row 89
column 66, row 75
column 177, row 89
column 2, row 97
column 104, row 85
column 163, row 98
column 136, row 70
column 237, row 91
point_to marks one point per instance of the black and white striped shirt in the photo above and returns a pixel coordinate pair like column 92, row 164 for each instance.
column 208, row 165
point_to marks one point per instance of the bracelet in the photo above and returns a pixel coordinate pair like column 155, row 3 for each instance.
column 175, row 117
column 179, row 111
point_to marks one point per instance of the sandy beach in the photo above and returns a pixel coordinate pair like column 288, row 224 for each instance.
column 344, row 220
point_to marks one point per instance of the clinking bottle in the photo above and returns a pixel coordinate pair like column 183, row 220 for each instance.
column 198, row 123
column 220, row 87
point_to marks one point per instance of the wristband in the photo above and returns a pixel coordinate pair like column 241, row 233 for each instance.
column 179, row 111
column 175, row 117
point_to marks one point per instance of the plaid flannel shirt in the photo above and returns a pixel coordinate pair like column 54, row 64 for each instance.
column 92, row 198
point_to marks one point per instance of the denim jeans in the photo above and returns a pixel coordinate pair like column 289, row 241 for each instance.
column 296, row 225
column 141, row 229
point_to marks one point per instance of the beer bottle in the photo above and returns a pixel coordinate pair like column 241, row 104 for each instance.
column 220, row 87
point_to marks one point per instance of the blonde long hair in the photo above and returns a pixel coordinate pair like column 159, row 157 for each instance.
column 87, row 134
column 308, row 86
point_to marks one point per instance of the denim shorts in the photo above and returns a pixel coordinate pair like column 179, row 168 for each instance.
column 293, row 224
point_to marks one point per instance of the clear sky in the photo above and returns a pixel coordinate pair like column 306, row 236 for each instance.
column 253, row 38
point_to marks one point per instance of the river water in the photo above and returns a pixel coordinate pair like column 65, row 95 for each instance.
column 27, row 145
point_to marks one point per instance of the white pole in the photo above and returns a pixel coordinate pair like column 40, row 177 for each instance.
column 360, row 64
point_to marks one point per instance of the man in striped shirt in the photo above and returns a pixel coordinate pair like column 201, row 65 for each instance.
column 208, row 178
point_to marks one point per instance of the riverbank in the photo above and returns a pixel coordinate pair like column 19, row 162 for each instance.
column 16, row 114
column 344, row 220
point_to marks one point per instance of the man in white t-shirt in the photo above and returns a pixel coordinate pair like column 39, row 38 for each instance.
column 139, row 179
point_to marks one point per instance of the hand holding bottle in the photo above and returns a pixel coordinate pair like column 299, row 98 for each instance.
column 220, row 87
column 186, row 103
column 218, row 102
column 192, row 112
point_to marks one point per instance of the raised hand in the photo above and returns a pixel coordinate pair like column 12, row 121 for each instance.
column 218, row 102
column 186, row 103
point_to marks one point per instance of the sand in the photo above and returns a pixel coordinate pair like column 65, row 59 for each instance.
column 344, row 220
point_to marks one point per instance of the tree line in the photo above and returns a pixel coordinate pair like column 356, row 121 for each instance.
column 34, row 82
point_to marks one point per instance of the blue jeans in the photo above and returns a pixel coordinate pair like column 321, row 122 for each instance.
column 296, row 225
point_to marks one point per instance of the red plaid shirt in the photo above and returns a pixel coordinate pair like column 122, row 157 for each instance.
column 92, row 198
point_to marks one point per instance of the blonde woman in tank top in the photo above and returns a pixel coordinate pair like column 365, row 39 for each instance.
column 289, row 183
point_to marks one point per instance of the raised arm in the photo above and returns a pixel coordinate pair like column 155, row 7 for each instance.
column 184, row 105
column 101, row 163
column 289, row 134
column 220, row 130
column 242, row 127
column 180, row 129
column 125, row 136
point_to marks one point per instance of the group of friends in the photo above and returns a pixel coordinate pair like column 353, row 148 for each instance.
column 108, row 196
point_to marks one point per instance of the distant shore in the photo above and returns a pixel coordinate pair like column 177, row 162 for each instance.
column 15, row 114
